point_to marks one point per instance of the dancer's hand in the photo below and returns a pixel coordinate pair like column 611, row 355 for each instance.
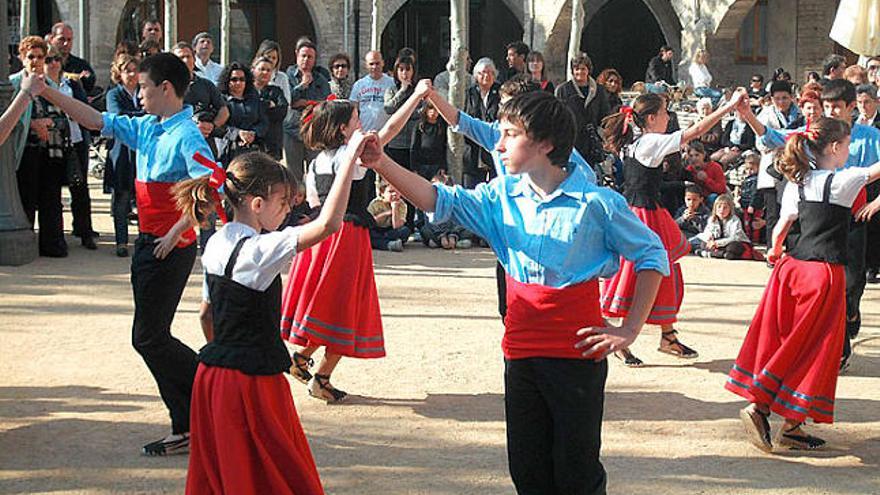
column 424, row 87
column 165, row 244
column 599, row 342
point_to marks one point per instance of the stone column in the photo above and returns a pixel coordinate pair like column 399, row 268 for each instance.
column 458, row 52
column 170, row 24
column 375, row 33
column 83, row 34
column 224, row 32
column 577, row 27
column 24, row 21
column 18, row 244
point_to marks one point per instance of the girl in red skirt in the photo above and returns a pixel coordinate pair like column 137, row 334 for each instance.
column 638, row 135
column 788, row 363
column 245, row 433
column 331, row 299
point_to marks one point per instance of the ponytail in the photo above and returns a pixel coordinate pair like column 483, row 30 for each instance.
column 195, row 198
column 619, row 126
column 804, row 147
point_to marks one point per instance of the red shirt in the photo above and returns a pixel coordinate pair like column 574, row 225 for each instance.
column 715, row 182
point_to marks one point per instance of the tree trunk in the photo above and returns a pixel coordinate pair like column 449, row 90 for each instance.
column 170, row 24
column 375, row 34
column 577, row 26
column 224, row 32
column 458, row 53
column 24, row 21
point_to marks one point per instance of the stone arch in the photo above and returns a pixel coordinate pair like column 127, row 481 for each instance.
column 663, row 11
column 389, row 8
column 729, row 25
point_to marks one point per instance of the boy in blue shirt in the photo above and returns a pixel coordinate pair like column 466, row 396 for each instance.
column 838, row 102
column 165, row 140
column 555, row 233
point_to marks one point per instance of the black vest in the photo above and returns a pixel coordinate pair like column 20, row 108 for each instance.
column 358, row 200
column 641, row 184
column 824, row 228
column 246, row 325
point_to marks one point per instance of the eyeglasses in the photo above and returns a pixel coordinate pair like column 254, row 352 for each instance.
column 340, row 66
column 237, row 79
column 50, row 60
column 35, row 57
column 756, row 80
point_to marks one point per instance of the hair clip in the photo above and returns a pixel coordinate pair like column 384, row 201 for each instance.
column 314, row 103
column 808, row 133
column 627, row 117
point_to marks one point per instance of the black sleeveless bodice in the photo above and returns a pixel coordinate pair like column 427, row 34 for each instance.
column 358, row 199
column 246, row 335
column 824, row 227
column 641, row 184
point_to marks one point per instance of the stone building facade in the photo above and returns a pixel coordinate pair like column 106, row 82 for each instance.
column 743, row 36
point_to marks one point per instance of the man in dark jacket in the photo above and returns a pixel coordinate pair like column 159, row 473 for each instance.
column 74, row 67
column 589, row 102
column 660, row 67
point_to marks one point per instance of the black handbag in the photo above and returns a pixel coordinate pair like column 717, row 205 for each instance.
column 73, row 170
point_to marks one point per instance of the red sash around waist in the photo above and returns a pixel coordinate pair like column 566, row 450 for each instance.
column 157, row 210
column 543, row 321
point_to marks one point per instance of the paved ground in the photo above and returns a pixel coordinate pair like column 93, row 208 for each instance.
column 76, row 401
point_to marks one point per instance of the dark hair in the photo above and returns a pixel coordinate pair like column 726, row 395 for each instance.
column 699, row 148
column 867, row 89
column 305, row 42
column 813, row 75
column 582, row 59
column 401, row 62
column 321, row 125
column 780, row 85
column 519, row 47
column 226, row 74
column 543, row 118
column 758, row 76
column 183, row 45
column 249, row 174
column 839, row 90
column 801, row 150
column 644, row 105
column 166, row 67
column 151, row 20
column 423, row 114
column 147, row 45
column 339, row 56
column 666, row 48
column 535, row 56
column 608, row 74
column 831, row 62
column 128, row 47
column 407, row 52
column 694, row 189
column 267, row 46
column 517, row 85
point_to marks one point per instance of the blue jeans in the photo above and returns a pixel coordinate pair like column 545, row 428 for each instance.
column 379, row 238
column 712, row 93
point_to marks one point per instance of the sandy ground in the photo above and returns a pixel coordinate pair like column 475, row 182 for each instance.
column 76, row 401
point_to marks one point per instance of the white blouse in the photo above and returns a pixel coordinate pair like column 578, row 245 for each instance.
column 844, row 189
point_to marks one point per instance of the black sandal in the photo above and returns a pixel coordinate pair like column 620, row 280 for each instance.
column 300, row 368
column 629, row 359
column 758, row 426
column 798, row 441
column 167, row 447
column 674, row 346
column 325, row 391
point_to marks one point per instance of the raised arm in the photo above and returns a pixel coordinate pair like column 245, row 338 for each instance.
column 82, row 113
column 705, row 125
column 13, row 113
column 444, row 108
column 399, row 119
column 412, row 186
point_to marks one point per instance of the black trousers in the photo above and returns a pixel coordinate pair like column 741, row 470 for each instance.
column 855, row 280
column 771, row 212
column 39, row 185
column 554, row 425
column 80, row 201
column 501, row 284
column 157, row 286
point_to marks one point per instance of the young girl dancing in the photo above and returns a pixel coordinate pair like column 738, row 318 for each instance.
column 789, row 360
column 246, row 435
column 331, row 299
column 642, row 155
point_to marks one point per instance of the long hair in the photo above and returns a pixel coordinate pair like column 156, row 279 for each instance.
column 267, row 46
column 120, row 62
column 226, row 74
column 720, row 200
column 253, row 174
column 803, row 148
column 616, row 136
column 321, row 124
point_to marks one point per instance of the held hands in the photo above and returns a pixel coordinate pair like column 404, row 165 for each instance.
column 424, row 88
column 366, row 147
column 599, row 342
column 33, row 84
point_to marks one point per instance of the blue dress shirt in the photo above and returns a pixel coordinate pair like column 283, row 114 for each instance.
column 864, row 146
column 575, row 234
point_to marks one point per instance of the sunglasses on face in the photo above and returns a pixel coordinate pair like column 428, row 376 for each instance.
column 236, row 79
column 756, row 80
column 340, row 66
column 36, row 57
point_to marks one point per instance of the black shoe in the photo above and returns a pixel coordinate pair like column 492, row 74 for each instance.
column 89, row 243
column 46, row 253
column 170, row 445
column 871, row 276
column 122, row 251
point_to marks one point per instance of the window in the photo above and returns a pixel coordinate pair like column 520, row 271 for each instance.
column 751, row 41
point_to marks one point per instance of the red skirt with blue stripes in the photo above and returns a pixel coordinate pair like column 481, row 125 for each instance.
column 791, row 354
column 617, row 292
column 330, row 298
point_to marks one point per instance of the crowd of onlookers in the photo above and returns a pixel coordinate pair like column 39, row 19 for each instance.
column 721, row 189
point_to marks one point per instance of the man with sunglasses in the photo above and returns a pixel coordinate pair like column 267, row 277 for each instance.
column 75, row 68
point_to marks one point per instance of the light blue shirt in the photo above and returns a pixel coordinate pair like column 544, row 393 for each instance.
column 577, row 233
column 487, row 134
column 164, row 149
column 864, row 146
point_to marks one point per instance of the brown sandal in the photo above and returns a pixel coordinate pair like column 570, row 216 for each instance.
column 758, row 427
column 796, row 439
column 300, row 368
column 320, row 388
column 671, row 345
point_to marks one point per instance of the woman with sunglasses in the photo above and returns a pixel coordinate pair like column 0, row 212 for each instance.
column 340, row 83
column 247, row 125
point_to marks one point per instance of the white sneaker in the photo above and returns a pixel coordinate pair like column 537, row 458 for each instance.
column 396, row 245
column 464, row 244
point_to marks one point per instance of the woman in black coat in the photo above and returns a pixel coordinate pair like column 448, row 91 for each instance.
column 247, row 125
column 121, row 166
column 274, row 105
column 588, row 100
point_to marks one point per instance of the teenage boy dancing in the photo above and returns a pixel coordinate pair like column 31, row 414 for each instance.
column 555, row 233
column 165, row 140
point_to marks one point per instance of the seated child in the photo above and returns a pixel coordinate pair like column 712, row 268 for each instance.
column 708, row 175
column 448, row 234
column 389, row 212
column 691, row 218
column 750, row 202
column 300, row 211
column 724, row 236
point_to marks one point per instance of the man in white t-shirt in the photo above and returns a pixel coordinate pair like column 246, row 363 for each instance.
column 369, row 93
column 203, row 46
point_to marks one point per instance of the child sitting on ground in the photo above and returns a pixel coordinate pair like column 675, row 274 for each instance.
column 692, row 217
column 724, row 236
column 300, row 211
column 750, row 202
column 448, row 234
column 389, row 212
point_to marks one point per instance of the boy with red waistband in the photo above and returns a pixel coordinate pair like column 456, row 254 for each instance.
column 555, row 233
column 164, row 253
